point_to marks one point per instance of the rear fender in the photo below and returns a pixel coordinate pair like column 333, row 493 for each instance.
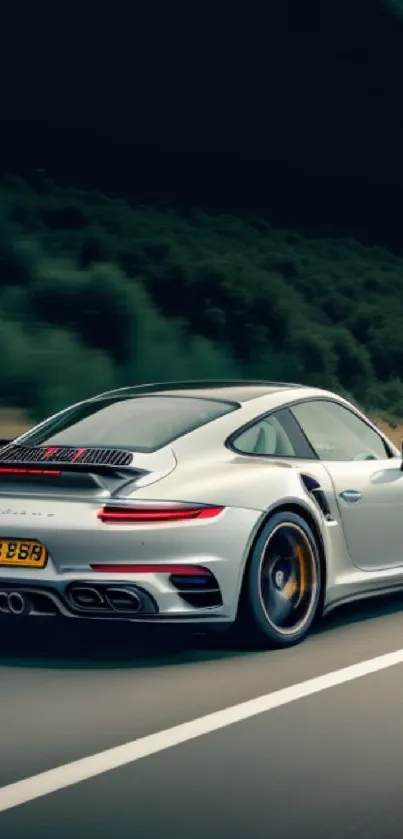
column 253, row 485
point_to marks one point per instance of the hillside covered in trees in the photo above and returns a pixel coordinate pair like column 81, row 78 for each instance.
column 95, row 293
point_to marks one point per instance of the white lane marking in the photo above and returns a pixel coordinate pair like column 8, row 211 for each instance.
column 61, row 777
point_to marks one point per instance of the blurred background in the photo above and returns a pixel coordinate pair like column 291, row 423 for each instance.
column 216, row 198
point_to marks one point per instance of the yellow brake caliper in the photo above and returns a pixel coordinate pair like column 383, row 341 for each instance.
column 302, row 575
column 291, row 586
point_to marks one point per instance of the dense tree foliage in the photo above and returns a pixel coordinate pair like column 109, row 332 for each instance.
column 95, row 293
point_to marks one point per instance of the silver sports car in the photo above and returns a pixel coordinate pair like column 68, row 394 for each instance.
column 204, row 503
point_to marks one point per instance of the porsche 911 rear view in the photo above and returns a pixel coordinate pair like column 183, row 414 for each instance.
column 200, row 504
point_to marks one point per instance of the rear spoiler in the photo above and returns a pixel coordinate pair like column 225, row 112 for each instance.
column 54, row 461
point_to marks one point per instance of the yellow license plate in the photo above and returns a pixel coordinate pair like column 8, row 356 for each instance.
column 28, row 553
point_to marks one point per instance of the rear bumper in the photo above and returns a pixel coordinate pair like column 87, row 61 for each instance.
column 26, row 600
column 219, row 549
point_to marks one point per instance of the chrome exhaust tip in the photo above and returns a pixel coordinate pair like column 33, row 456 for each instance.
column 17, row 604
column 86, row 597
column 123, row 599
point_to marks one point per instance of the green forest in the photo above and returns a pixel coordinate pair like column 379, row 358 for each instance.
column 96, row 293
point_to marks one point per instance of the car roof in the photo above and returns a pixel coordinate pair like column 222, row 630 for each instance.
column 234, row 390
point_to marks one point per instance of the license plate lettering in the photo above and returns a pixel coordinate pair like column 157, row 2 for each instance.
column 36, row 552
column 24, row 551
column 11, row 550
column 27, row 554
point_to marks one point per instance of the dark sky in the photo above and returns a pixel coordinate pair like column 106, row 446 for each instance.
column 291, row 108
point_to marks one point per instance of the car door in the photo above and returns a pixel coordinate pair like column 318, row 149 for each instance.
column 367, row 480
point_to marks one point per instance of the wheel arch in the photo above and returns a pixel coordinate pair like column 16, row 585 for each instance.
column 302, row 511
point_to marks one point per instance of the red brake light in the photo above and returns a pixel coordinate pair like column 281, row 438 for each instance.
column 137, row 568
column 11, row 470
column 114, row 514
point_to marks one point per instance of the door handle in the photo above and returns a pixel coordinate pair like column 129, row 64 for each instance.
column 351, row 495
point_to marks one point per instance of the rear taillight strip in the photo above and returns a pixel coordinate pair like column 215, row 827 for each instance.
column 113, row 514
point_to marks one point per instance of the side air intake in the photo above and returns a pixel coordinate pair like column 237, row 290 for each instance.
column 316, row 492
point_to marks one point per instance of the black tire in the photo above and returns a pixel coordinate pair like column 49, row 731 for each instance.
column 282, row 586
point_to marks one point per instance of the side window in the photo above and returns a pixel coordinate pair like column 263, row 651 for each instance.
column 265, row 437
column 336, row 433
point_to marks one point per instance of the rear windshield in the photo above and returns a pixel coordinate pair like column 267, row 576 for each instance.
column 143, row 423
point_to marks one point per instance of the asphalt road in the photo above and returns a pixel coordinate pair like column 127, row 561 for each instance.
column 325, row 765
